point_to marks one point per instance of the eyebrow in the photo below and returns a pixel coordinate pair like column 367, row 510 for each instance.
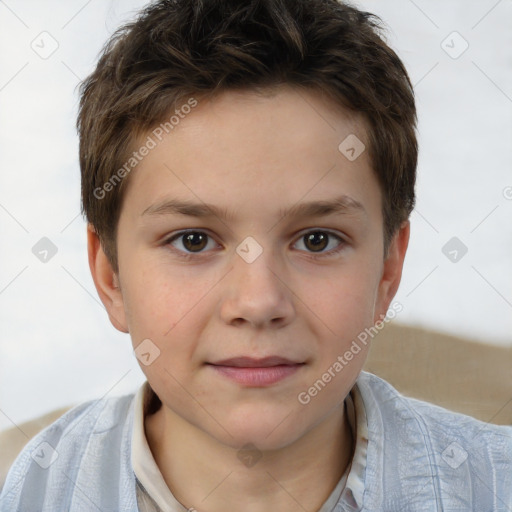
column 339, row 205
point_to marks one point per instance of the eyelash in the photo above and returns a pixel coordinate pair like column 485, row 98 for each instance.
column 314, row 256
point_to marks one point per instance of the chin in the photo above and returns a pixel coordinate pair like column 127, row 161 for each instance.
column 265, row 432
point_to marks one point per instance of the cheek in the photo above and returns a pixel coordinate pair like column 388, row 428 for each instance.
column 155, row 298
column 168, row 308
column 343, row 311
column 346, row 301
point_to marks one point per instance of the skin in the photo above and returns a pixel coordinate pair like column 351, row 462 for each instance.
column 253, row 155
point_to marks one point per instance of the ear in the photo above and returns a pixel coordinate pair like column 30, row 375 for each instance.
column 106, row 281
column 392, row 270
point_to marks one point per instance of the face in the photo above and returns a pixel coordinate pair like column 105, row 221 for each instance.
column 286, row 262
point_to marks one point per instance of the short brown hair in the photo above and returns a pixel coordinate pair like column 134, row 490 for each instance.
column 178, row 49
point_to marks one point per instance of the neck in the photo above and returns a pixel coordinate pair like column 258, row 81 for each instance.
column 207, row 476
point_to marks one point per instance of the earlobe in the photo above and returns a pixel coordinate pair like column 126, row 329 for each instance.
column 392, row 270
column 106, row 281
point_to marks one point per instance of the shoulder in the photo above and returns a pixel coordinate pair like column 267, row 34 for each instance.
column 439, row 422
column 51, row 466
column 451, row 457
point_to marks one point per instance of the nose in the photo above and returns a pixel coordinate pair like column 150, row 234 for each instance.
column 257, row 293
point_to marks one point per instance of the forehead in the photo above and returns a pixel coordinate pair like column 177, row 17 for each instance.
column 244, row 148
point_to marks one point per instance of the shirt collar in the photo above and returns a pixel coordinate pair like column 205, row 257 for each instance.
column 143, row 462
column 348, row 492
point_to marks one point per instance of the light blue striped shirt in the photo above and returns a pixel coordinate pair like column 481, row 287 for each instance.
column 419, row 457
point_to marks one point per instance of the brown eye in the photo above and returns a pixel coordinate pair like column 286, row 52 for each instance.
column 316, row 240
column 192, row 242
column 317, row 243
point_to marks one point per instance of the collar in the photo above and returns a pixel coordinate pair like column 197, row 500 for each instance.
column 349, row 490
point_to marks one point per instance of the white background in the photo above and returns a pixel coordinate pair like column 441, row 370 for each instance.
column 57, row 346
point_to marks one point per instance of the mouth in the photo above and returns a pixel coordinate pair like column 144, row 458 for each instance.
column 252, row 362
column 254, row 372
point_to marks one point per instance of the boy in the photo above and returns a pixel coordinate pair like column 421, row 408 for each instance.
column 279, row 135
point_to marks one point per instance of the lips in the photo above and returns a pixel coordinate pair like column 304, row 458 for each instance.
column 256, row 372
column 251, row 362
